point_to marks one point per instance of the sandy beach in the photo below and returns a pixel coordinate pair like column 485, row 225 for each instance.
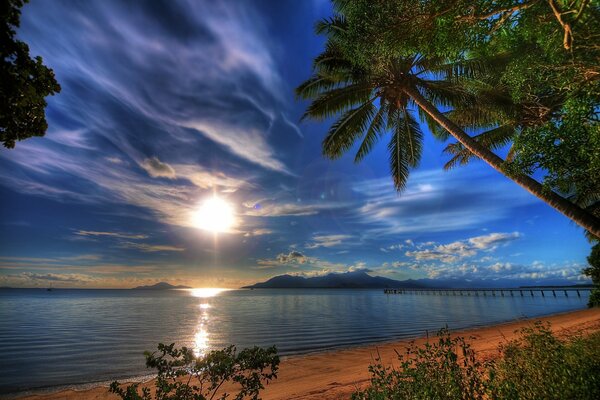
column 336, row 374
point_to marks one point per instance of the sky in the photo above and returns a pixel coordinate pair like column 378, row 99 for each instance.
column 165, row 104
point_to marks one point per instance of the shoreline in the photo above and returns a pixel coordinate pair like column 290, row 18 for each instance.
column 336, row 373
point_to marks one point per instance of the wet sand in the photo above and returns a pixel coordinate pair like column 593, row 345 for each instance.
column 336, row 374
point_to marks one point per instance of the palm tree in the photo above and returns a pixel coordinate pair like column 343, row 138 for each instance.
column 497, row 117
column 375, row 102
column 502, row 121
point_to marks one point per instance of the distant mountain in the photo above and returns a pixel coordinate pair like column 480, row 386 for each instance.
column 361, row 279
column 354, row 279
column 161, row 286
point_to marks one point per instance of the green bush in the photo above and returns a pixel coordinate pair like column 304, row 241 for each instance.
column 433, row 371
column 594, row 299
column 535, row 366
column 539, row 366
column 182, row 376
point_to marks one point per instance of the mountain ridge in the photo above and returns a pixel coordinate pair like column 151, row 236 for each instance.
column 351, row 279
column 160, row 286
column 362, row 280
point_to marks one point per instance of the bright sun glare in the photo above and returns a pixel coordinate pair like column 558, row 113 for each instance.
column 206, row 293
column 214, row 215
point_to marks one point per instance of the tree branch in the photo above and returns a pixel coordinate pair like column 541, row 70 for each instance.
column 568, row 36
column 510, row 10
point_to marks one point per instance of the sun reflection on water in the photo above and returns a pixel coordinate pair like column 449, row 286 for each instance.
column 201, row 337
column 206, row 292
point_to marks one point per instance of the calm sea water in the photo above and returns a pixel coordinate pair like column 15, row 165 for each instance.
column 74, row 337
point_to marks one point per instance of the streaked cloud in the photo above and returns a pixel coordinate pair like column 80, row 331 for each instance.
column 455, row 251
column 327, row 241
column 244, row 142
column 119, row 235
column 437, row 201
column 535, row 272
column 150, row 248
column 157, row 169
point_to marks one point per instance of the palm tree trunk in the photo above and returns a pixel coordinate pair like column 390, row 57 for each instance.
column 559, row 203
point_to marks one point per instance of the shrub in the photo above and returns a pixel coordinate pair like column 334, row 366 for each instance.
column 539, row 366
column 182, row 376
column 535, row 366
column 433, row 371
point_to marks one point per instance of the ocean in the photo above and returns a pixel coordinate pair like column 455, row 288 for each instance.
column 72, row 337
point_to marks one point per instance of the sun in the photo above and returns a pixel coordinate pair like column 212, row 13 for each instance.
column 214, row 215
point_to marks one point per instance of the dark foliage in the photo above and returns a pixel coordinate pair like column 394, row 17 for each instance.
column 24, row 82
column 535, row 366
column 593, row 271
column 182, row 376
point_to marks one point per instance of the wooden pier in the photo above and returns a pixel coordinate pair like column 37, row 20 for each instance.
column 522, row 292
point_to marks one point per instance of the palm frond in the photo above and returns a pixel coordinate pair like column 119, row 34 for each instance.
column 331, row 26
column 399, row 166
column 472, row 68
column 314, row 87
column 445, row 94
column 332, row 59
column 376, row 129
column 345, row 131
column 338, row 100
column 405, row 147
column 492, row 139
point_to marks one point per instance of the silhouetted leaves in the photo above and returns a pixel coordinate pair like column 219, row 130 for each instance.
column 24, row 82
column 182, row 376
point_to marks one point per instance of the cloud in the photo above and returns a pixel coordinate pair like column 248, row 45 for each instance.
column 52, row 277
column 455, row 251
column 201, row 90
column 398, row 246
column 437, row 201
column 244, row 142
column 258, row 232
column 150, row 248
column 327, row 241
column 534, row 272
column 119, row 235
column 271, row 208
column 292, row 257
column 158, row 169
column 205, row 179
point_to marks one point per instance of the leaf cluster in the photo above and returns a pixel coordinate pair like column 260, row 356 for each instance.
column 540, row 366
column 593, row 271
column 445, row 369
column 523, row 76
column 183, row 376
column 537, row 365
column 24, row 82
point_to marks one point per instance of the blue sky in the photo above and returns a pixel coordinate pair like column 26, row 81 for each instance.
column 167, row 103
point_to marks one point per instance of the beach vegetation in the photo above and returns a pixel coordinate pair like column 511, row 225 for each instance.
column 24, row 82
column 536, row 365
column 593, row 271
column 516, row 84
column 183, row 376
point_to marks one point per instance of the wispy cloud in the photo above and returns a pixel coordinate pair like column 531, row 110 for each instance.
column 195, row 103
column 437, row 201
column 245, row 142
column 157, row 169
column 455, row 251
column 274, row 208
column 150, row 248
column 119, row 235
column 534, row 272
column 327, row 241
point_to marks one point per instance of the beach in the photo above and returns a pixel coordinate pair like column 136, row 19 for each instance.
column 336, row 374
